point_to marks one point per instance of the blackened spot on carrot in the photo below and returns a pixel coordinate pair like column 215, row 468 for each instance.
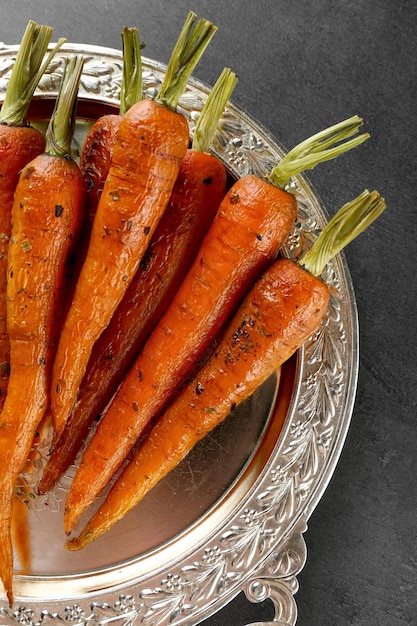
column 129, row 225
column 259, row 236
column 234, row 198
column 199, row 388
column 208, row 180
column 107, row 230
column 58, row 388
column 147, row 230
column 59, row 209
column 140, row 375
column 146, row 259
column 135, row 406
column 110, row 357
column 114, row 194
column 21, row 205
column 28, row 171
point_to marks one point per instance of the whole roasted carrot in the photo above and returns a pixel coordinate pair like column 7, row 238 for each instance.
column 151, row 142
column 46, row 218
column 197, row 193
column 250, row 226
column 283, row 309
column 19, row 144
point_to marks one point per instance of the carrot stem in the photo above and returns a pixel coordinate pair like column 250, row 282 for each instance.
column 61, row 125
column 323, row 146
column 349, row 222
column 27, row 72
column 131, row 89
column 213, row 109
column 185, row 56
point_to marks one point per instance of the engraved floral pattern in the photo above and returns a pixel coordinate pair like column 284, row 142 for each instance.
column 260, row 550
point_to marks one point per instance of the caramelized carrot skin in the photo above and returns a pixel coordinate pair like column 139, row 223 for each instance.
column 152, row 141
column 18, row 146
column 198, row 191
column 246, row 234
column 279, row 314
column 38, row 251
column 95, row 159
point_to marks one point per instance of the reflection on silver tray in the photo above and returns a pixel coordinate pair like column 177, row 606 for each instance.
column 231, row 517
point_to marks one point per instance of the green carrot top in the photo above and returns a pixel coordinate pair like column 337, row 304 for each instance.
column 186, row 54
column 61, row 125
column 131, row 89
column 212, row 110
column 351, row 220
column 27, row 71
column 323, row 146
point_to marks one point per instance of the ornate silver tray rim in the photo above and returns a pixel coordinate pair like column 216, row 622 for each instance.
column 252, row 539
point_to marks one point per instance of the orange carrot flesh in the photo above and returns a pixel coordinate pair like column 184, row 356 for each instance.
column 18, row 146
column 98, row 145
column 283, row 309
column 46, row 218
column 249, row 228
column 95, row 159
column 38, row 250
column 197, row 193
column 152, row 141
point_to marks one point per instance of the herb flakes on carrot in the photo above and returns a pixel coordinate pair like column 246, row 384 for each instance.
column 46, row 217
column 19, row 144
column 281, row 311
column 151, row 142
column 245, row 236
column 196, row 196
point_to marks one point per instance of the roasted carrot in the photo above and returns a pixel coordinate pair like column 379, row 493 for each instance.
column 98, row 145
column 19, row 144
column 282, row 310
column 250, row 226
column 197, row 193
column 151, row 142
column 21, row 533
column 46, row 217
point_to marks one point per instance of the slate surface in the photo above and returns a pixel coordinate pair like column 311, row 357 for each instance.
column 303, row 65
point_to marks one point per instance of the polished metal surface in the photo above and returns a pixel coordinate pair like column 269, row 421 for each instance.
column 232, row 516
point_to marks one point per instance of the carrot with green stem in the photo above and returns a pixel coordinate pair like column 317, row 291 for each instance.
column 98, row 147
column 250, row 226
column 98, row 144
column 151, row 142
column 282, row 310
column 19, row 143
column 197, row 193
column 46, row 219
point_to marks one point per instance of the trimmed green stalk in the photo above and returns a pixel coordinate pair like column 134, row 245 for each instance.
column 187, row 52
column 131, row 89
column 212, row 110
column 61, row 126
column 349, row 222
column 322, row 146
column 27, row 71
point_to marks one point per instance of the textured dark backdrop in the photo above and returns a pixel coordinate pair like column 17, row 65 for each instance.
column 303, row 65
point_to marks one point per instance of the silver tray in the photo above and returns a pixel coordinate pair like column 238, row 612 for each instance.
column 231, row 518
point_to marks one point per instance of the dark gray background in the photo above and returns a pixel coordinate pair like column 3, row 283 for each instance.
column 302, row 66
